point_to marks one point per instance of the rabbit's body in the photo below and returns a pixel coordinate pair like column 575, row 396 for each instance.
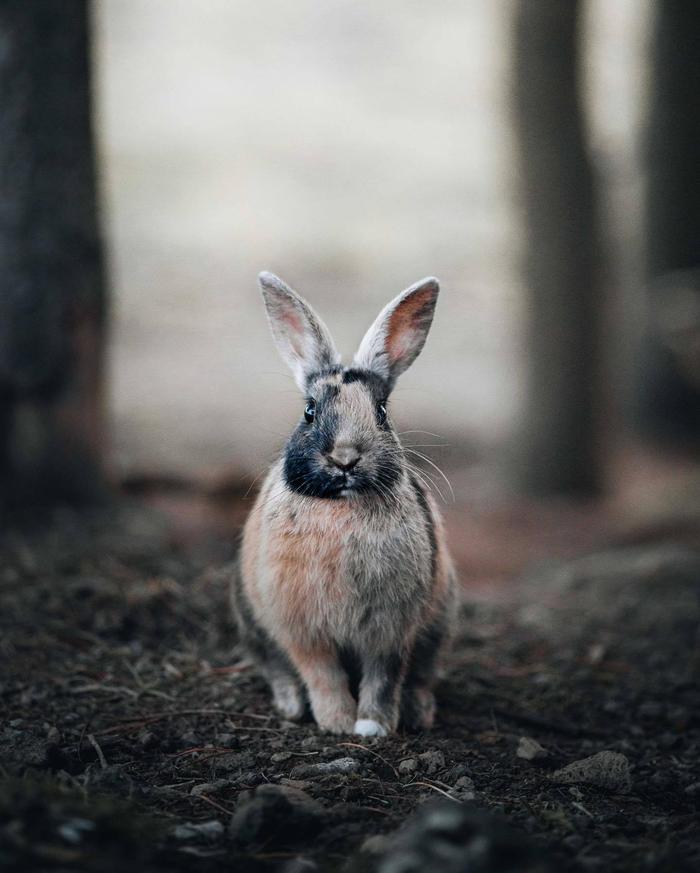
column 344, row 574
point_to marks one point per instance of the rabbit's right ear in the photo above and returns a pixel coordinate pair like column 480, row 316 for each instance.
column 301, row 337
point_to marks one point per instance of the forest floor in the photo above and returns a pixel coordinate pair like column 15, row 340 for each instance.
column 132, row 735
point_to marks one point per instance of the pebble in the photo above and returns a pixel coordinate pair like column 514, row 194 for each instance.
column 573, row 842
column 205, row 830
column 210, row 787
column 530, row 750
column 73, row 830
column 323, row 768
column 280, row 811
column 146, row 739
column 280, row 757
column 607, row 769
column 432, row 761
column 375, row 845
column 408, row 765
column 463, row 789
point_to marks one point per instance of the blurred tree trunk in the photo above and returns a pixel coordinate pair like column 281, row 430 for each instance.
column 556, row 449
column 52, row 293
column 669, row 384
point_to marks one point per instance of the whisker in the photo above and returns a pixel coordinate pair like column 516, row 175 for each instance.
column 435, row 466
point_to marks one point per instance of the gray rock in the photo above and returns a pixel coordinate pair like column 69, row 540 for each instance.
column 463, row 789
column 200, row 831
column 210, row 787
column 408, row 766
column 280, row 757
column 607, row 769
column 451, row 838
column 323, row 768
column 377, row 844
column 432, row 761
column 280, row 811
column 530, row 750
column 73, row 830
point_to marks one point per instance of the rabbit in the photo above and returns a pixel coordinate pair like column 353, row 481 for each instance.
column 345, row 591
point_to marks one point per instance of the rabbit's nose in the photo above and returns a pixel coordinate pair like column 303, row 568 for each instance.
column 344, row 457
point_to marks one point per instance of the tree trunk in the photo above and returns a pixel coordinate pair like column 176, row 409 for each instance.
column 556, row 450
column 669, row 383
column 52, row 293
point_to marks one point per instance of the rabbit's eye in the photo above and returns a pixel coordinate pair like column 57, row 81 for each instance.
column 381, row 412
column 310, row 411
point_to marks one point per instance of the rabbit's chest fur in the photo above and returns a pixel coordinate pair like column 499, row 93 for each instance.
column 334, row 570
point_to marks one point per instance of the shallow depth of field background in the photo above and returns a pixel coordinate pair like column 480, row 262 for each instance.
column 352, row 149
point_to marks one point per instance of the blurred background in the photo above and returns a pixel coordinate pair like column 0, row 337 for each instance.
column 539, row 157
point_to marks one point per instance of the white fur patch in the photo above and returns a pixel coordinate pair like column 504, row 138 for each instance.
column 368, row 727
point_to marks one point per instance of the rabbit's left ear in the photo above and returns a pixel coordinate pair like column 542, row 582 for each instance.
column 301, row 337
column 397, row 336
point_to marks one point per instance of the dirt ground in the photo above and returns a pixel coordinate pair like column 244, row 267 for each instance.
column 132, row 735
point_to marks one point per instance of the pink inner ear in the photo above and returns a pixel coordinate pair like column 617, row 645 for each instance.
column 295, row 330
column 404, row 322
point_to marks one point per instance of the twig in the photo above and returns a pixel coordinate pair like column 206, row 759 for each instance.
column 372, row 752
column 100, row 754
column 134, row 723
column 435, row 788
column 213, row 803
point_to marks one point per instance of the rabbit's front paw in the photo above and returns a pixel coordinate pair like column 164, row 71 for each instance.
column 336, row 720
column 368, row 727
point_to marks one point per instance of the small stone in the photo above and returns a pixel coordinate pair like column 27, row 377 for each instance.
column 189, row 739
column 607, row 769
column 209, row 787
column 323, row 768
column 432, row 761
column 377, row 844
column 280, row 757
column 530, row 750
column 287, row 814
column 205, row 830
column 73, row 830
column 693, row 789
column 53, row 737
column 463, row 789
column 455, row 772
column 146, row 739
column 573, row 842
column 408, row 765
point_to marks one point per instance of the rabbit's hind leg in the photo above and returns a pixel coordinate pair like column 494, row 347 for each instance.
column 286, row 686
column 417, row 697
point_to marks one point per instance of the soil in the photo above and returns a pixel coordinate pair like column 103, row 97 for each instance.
column 134, row 735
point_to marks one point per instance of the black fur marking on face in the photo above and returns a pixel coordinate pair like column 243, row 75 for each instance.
column 378, row 386
column 306, row 467
column 326, row 373
column 429, row 523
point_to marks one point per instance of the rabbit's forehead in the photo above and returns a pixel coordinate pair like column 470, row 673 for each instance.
column 351, row 382
column 353, row 400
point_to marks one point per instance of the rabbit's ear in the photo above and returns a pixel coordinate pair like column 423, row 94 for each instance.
column 301, row 336
column 396, row 338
